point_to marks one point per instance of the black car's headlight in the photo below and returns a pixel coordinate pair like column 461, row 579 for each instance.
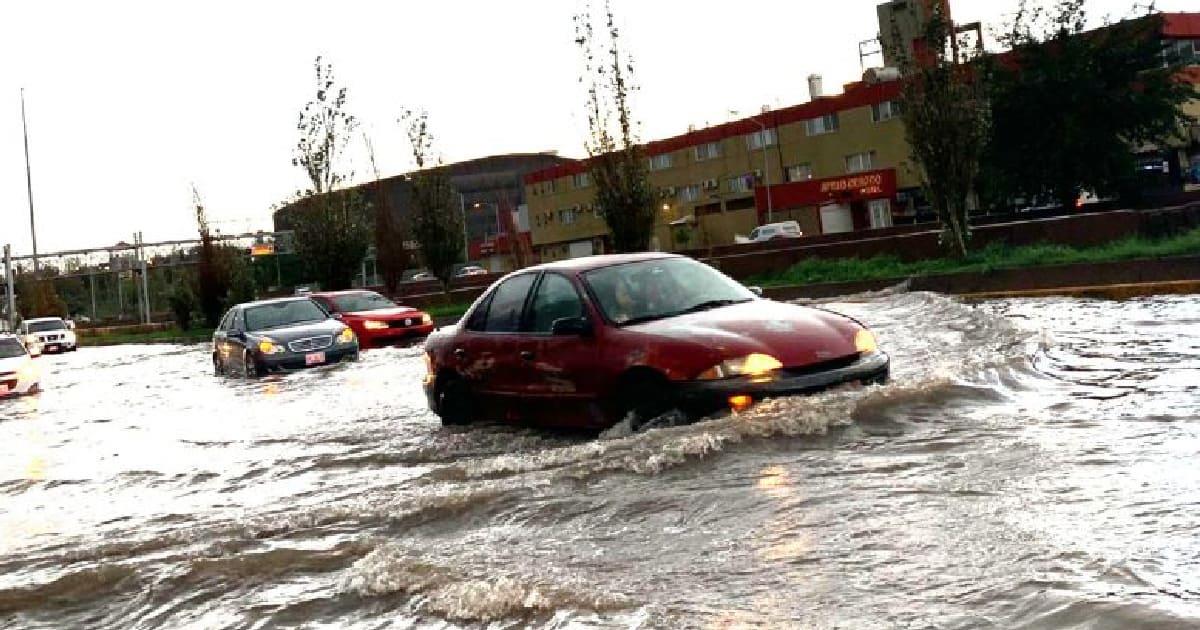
column 266, row 345
column 346, row 336
column 750, row 365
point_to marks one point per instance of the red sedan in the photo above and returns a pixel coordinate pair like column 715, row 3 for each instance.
column 376, row 320
column 589, row 342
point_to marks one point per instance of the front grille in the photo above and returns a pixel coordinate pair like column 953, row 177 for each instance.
column 402, row 323
column 823, row 366
column 52, row 337
column 309, row 344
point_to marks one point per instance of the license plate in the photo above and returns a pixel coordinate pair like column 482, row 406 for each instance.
column 314, row 358
column 52, row 347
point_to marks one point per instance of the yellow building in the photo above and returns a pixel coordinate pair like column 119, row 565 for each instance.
column 834, row 164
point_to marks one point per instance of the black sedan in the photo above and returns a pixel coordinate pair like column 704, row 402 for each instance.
column 278, row 335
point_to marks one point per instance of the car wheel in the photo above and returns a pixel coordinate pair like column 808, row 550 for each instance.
column 455, row 404
column 218, row 369
column 250, row 368
column 643, row 400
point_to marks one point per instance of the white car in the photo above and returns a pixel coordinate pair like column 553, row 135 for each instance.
column 470, row 270
column 51, row 334
column 772, row 231
column 18, row 372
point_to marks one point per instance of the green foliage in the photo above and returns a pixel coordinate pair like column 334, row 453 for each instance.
column 616, row 163
column 37, row 296
column 183, row 303
column 946, row 121
column 994, row 256
column 1070, row 107
column 391, row 259
column 331, row 226
column 436, row 219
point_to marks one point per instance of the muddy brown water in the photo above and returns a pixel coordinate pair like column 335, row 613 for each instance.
column 1033, row 464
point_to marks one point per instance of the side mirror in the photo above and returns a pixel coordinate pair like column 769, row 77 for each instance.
column 70, row 324
column 337, row 316
column 756, row 291
column 578, row 326
column 236, row 334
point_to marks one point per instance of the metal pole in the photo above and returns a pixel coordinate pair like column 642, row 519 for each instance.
column 462, row 209
column 8, row 288
column 766, row 171
column 92, row 283
column 145, row 279
column 29, row 183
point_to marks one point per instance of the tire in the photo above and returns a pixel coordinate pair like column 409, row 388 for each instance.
column 250, row 369
column 218, row 369
column 642, row 398
column 455, row 403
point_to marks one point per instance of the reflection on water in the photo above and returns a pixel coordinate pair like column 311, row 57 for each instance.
column 1030, row 466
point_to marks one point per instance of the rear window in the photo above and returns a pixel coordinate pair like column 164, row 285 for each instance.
column 504, row 313
column 10, row 348
column 282, row 314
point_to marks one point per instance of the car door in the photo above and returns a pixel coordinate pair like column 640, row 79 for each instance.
column 486, row 351
column 235, row 339
column 556, row 374
column 220, row 341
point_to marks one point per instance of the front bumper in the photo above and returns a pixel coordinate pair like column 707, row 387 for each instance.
column 288, row 361
column 703, row 397
column 388, row 336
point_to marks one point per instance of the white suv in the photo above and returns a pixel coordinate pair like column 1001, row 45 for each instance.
column 18, row 373
column 51, row 334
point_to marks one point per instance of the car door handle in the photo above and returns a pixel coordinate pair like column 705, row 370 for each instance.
column 460, row 353
column 527, row 355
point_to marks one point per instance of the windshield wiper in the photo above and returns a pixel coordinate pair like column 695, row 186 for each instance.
column 710, row 304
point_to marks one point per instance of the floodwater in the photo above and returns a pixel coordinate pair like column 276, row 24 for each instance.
column 1032, row 465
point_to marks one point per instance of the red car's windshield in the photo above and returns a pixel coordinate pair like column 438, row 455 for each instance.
column 665, row 287
column 364, row 301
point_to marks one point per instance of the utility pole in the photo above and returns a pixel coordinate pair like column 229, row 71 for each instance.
column 462, row 209
column 9, row 290
column 92, row 284
column 767, row 169
column 29, row 182
column 144, row 302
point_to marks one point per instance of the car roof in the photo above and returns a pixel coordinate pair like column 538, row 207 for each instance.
column 588, row 263
column 337, row 293
column 292, row 298
column 33, row 320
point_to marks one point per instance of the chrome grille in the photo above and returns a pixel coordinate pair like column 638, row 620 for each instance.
column 309, row 344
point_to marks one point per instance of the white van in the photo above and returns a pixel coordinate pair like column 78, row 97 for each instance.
column 771, row 231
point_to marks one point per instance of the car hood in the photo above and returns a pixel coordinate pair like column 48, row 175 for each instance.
column 796, row 335
column 384, row 313
column 300, row 331
column 13, row 364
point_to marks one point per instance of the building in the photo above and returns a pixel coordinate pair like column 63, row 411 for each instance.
column 834, row 164
column 491, row 198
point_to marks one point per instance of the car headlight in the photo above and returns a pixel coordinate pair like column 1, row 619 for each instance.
column 28, row 371
column 426, row 319
column 372, row 324
column 864, row 341
column 750, row 365
column 346, row 336
column 269, row 346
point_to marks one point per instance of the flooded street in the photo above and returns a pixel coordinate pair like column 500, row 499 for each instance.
column 1033, row 464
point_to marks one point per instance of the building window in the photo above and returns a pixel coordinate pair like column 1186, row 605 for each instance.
column 548, row 187
column 744, row 183
column 860, row 162
column 660, row 162
column 689, row 193
column 566, row 216
column 799, row 172
column 881, row 213
column 708, row 151
column 761, row 138
column 821, row 125
column 886, row 110
column 581, row 180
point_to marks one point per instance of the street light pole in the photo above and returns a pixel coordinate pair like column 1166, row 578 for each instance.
column 462, row 210
column 29, row 182
column 766, row 171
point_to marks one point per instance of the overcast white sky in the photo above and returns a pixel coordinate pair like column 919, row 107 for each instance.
column 130, row 102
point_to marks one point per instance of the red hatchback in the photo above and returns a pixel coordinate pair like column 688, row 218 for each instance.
column 376, row 320
column 588, row 342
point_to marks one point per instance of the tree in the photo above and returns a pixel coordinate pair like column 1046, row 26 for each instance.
column 1070, row 107
column 390, row 234
column 37, row 297
column 436, row 221
column 945, row 120
column 211, row 277
column 330, row 224
column 616, row 163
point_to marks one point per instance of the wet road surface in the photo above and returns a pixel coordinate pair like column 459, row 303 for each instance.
column 1033, row 464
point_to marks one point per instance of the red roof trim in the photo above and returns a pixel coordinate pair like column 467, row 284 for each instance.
column 1181, row 25
column 856, row 95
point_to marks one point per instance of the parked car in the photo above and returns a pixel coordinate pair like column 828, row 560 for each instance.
column 278, row 335
column 421, row 276
column 470, row 270
column 772, row 231
column 591, row 341
column 376, row 320
column 19, row 374
column 51, row 334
